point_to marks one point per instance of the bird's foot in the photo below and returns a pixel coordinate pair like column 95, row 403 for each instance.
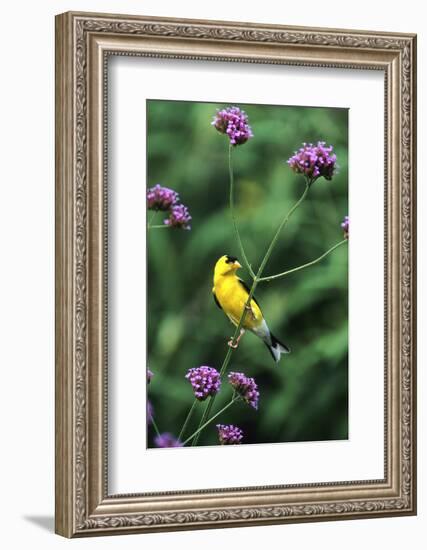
column 233, row 344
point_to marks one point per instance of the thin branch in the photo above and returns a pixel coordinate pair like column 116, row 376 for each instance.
column 233, row 217
column 203, row 426
column 153, row 422
column 150, row 221
column 187, row 420
column 279, row 230
column 308, row 264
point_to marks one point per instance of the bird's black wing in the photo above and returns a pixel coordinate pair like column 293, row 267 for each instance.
column 216, row 300
column 245, row 286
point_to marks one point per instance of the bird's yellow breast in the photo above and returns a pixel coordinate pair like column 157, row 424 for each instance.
column 232, row 297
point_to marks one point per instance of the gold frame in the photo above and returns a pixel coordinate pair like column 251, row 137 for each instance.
column 83, row 43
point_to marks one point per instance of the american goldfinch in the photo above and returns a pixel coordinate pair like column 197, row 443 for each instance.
column 231, row 294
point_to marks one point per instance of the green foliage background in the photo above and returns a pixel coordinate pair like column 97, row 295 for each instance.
column 305, row 396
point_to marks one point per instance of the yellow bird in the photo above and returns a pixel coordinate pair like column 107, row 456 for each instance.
column 231, row 294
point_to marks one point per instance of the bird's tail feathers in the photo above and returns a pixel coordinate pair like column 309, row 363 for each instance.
column 276, row 348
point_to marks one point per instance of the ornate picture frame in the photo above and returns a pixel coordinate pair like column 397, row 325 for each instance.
column 84, row 42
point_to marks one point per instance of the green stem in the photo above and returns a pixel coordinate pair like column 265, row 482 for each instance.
column 255, row 282
column 150, row 221
column 153, row 422
column 308, row 264
column 187, row 420
column 203, row 426
column 233, row 217
column 279, row 230
column 159, row 227
column 210, row 401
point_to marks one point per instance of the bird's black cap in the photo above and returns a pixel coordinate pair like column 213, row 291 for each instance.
column 230, row 259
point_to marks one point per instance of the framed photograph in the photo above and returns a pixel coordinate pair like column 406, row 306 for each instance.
column 228, row 351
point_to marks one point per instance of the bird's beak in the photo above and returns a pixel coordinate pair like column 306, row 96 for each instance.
column 237, row 265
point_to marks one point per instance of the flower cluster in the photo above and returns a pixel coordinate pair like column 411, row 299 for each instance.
column 179, row 217
column 234, row 123
column 149, row 376
column 163, row 199
column 205, row 381
column 229, row 434
column 345, row 226
column 167, row 440
column 246, row 387
column 314, row 161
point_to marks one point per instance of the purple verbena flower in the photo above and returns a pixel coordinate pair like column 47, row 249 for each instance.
column 205, row 381
column 167, row 440
column 150, row 412
column 179, row 217
column 233, row 122
column 161, row 198
column 149, row 376
column 246, row 387
column 345, row 226
column 229, row 434
column 314, row 161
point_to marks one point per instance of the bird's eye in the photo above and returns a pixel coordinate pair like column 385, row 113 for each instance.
column 230, row 260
